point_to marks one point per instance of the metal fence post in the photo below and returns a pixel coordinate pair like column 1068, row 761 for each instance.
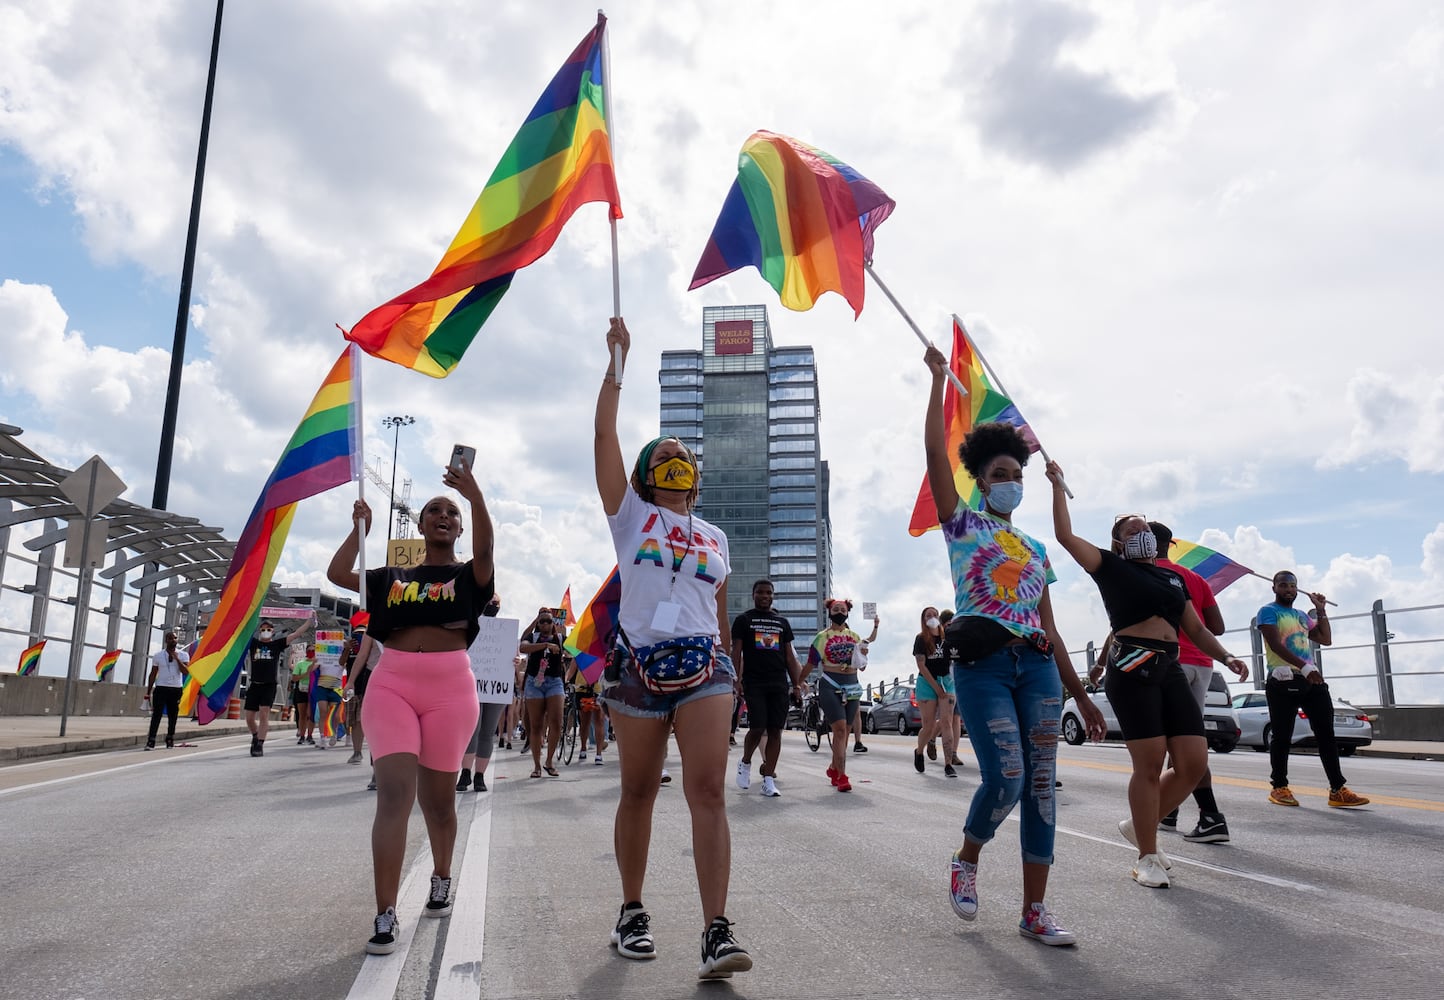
column 1255, row 639
column 1381, row 655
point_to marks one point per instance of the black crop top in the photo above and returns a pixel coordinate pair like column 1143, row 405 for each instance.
column 445, row 596
column 1136, row 591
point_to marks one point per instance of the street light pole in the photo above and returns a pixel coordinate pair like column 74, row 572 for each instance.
column 404, row 420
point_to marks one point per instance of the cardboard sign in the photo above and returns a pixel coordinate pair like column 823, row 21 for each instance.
column 405, row 552
column 492, row 659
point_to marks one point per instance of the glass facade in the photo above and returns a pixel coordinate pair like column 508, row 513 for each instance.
column 750, row 412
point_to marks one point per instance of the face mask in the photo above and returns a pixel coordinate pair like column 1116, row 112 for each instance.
column 837, row 619
column 933, row 622
column 1140, row 546
column 1005, row 497
column 674, row 474
column 266, row 633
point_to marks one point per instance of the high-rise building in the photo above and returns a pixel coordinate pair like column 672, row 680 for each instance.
column 750, row 411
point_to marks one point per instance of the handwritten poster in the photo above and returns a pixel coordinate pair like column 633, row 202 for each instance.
column 492, row 656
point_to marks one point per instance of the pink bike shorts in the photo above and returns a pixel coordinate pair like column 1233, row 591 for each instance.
column 423, row 704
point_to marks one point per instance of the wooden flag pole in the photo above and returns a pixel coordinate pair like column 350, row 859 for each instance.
column 616, row 266
column 904, row 313
column 997, row 384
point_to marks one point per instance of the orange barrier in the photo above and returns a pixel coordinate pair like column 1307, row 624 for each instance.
column 233, row 709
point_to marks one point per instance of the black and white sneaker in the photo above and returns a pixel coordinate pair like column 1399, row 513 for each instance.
column 1210, row 830
column 439, row 904
column 1169, row 822
column 256, row 750
column 721, row 954
column 632, row 937
column 383, row 942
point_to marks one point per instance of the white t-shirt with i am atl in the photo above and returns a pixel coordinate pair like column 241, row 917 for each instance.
column 670, row 578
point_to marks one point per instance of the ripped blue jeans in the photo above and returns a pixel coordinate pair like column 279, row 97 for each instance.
column 1010, row 703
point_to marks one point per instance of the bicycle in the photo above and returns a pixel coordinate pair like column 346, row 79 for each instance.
column 814, row 727
column 571, row 725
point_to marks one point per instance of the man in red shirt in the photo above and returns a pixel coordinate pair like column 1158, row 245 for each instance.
column 1211, row 828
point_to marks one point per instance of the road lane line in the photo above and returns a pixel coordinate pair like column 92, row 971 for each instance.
column 459, row 975
column 124, row 767
column 381, row 974
column 1273, row 880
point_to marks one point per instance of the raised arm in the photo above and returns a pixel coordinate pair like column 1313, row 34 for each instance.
column 935, row 440
column 1084, row 553
column 342, row 571
column 483, row 533
column 1322, row 632
column 611, row 470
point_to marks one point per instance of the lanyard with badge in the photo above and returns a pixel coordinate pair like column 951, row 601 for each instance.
column 664, row 619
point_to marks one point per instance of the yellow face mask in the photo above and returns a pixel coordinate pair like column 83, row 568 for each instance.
column 674, row 474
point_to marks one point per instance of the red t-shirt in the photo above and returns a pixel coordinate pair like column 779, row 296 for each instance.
column 1202, row 597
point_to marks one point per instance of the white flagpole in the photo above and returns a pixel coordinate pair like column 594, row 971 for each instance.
column 356, row 460
column 952, row 375
column 998, row 384
column 616, row 266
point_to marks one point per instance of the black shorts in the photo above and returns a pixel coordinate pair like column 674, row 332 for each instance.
column 766, row 706
column 300, row 695
column 1149, row 691
column 836, row 704
column 260, row 696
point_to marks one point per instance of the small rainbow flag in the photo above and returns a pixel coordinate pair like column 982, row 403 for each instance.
column 802, row 217
column 983, row 405
column 1217, row 569
column 567, row 614
column 105, row 666
column 596, row 629
column 560, row 160
column 30, row 659
column 321, row 454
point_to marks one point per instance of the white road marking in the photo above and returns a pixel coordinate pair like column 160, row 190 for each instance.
column 459, row 976
column 158, row 759
column 381, row 974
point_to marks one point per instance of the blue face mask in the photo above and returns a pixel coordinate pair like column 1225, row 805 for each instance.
column 1004, row 498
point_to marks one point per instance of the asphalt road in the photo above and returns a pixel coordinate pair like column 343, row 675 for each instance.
column 204, row 873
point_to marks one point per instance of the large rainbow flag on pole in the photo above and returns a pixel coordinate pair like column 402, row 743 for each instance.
column 105, row 666
column 560, row 160
column 982, row 405
column 30, row 659
column 802, row 217
column 597, row 628
column 1216, row 568
column 321, row 454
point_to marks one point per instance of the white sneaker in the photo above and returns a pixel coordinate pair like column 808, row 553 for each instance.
column 597, row 759
column 582, row 757
column 769, row 789
column 1149, row 871
column 744, row 775
column 1125, row 827
column 666, row 778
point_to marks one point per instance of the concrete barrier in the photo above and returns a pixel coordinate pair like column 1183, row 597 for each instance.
column 1417, row 722
column 36, row 694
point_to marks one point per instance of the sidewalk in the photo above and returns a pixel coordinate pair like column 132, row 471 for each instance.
column 26, row 737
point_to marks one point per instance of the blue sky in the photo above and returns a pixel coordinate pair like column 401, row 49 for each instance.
column 1205, row 264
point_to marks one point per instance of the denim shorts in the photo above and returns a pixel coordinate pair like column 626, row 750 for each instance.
column 925, row 690
column 630, row 696
column 548, row 687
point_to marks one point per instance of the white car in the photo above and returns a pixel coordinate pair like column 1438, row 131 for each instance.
column 1220, row 722
column 1352, row 728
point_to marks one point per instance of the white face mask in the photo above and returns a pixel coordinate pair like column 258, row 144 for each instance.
column 1143, row 545
column 934, row 622
column 265, row 634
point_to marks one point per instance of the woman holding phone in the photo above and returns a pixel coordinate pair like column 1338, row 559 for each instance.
column 421, row 705
column 668, row 670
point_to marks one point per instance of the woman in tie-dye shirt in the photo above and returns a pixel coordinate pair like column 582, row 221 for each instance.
column 1010, row 664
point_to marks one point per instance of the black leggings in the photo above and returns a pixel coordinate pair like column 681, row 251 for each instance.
column 483, row 740
column 1149, row 691
column 1285, row 698
column 163, row 700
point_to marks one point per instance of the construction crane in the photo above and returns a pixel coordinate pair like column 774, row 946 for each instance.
column 400, row 506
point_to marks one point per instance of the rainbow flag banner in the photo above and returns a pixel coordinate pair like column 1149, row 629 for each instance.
column 30, row 658
column 597, row 628
column 1216, row 568
column 560, row 160
column 983, row 405
column 105, row 666
column 321, row 454
column 567, row 613
column 802, row 217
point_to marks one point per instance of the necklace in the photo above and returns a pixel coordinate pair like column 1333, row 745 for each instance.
column 677, row 560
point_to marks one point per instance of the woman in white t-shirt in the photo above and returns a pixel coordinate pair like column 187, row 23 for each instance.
column 668, row 670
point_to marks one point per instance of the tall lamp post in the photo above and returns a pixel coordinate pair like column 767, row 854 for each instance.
column 396, row 423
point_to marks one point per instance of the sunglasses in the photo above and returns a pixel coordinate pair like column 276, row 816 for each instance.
column 545, row 621
column 1125, row 517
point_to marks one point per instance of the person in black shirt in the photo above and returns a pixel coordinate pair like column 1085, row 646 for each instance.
column 768, row 675
column 935, row 697
column 267, row 652
column 545, row 689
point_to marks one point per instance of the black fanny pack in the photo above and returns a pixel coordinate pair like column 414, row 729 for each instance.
column 969, row 638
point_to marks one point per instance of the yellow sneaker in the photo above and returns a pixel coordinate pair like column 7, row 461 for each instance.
column 1284, row 797
column 1343, row 799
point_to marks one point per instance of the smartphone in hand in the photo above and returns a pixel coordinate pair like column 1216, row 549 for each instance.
column 462, row 457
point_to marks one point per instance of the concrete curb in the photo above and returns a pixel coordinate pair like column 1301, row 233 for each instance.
column 1398, row 754
column 98, row 744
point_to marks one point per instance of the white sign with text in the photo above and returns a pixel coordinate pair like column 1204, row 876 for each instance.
column 492, row 659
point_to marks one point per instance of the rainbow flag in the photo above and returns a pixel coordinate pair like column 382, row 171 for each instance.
column 983, row 405
column 321, row 454
column 566, row 606
column 597, row 628
column 105, row 666
column 1216, row 568
column 560, row 160
column 30, row 659
column 802, row 217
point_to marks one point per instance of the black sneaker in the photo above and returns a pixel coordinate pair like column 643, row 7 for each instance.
column 950, row 771
column 310, row 741
column 255, row 747
column 383, row 942
column 632, row 937
column 1169, row 822
column 856, row 748
column 463, row 782
column 478, row 784
column 918, row 764
column 300, row 741
column 721, row 954
column 439, row 905
column 1210, row 830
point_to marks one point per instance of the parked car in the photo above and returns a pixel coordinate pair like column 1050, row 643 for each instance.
column 1352, row 728
column 1219, row 721
column 896, row 712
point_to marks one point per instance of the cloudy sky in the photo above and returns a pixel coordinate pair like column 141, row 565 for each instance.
column 1201, row 244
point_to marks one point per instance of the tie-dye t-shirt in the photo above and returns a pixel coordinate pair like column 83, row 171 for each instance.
column 998, row 572
column 833, row 650
column 1293, row 626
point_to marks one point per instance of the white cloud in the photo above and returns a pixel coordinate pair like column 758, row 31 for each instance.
column 1393, row 418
